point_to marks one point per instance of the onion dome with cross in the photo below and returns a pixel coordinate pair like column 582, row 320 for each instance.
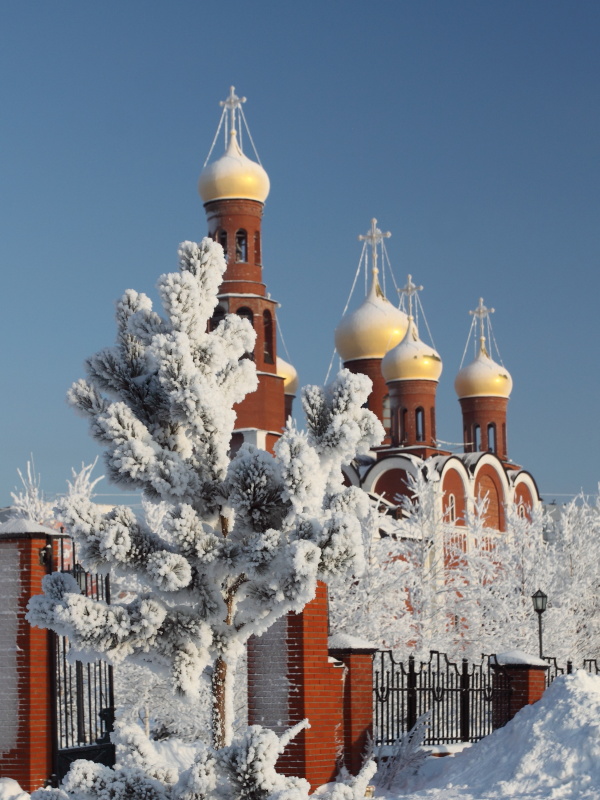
column 289, row 375
column 376, row 325
column 411, row 359
column 483, row 377
column 233, row 175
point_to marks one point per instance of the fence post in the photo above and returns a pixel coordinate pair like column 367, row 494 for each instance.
column 569, row 667
column 411, row 696
column 465, row 720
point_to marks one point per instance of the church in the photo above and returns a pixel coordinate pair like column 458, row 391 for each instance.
column 377, row 339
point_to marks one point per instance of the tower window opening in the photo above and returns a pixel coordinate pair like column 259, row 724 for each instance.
column 420, row 424
column 257, row 256
column 403, row 421
column 491, row 436
column 241, row 246
column 218, row 315
column 268, row 348
column 222, row 240
column 476, row 438
column 246, row 313
column 387, row 414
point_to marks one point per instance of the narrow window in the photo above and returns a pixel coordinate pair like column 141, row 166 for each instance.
column 420, row 424
column 257, row 248
column 222, row 240
column 387, row 414
column 491, row 434
column 451, row 509
column 246, row 313
column 268, row 334
column 218, row 315
column 476, row 438
column 241, row 246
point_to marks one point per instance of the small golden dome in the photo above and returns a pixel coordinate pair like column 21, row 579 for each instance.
column 412, row 359
column 234, row 175
column 372, row 329
column 483, row 377
column 289, row 375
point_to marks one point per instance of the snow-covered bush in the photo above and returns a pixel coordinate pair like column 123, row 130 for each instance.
column 242, row 541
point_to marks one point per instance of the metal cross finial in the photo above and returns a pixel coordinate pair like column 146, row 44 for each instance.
column 410, row 291
column 482, row 313
column 374, row 237
column 232, row 103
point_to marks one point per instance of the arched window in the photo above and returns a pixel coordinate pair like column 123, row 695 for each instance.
column 387, row 414
column 257, row 248
column 218, row 315
column 476, row 438
column 241, row 245
column 222, row 240
column 491, row 436
column 403, row 421
column 451, row 509
column 268, row 334
column 521, row 510
column 246, row 313
column 420, row 424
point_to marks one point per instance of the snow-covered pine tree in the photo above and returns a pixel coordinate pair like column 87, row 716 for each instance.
column 243, row 541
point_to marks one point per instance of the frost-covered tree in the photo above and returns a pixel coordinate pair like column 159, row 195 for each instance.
column 29, row 502
column 242, row 540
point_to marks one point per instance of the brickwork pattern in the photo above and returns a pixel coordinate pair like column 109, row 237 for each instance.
column 29, row 759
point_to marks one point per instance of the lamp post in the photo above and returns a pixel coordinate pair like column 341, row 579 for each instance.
column 540, row 601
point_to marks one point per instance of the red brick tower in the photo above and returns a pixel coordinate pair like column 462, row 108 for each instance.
column 366, row 334
column 483, row 388
column 411, row 371
column 234, row 189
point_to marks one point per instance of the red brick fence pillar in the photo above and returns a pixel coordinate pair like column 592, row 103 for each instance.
column 527, row 681
column 25, row 659
column 357, row 657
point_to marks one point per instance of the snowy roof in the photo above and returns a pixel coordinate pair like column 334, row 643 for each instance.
column 22, row 525
column 343, row 641
column 520, row 657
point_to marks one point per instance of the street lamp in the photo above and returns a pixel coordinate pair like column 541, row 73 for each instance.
column 540, row 601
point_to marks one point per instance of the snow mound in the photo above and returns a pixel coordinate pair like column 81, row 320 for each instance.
column 549, row 750
column 10, row 790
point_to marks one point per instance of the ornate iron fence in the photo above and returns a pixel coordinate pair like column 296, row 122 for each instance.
column 466, row 701
column 83, row 708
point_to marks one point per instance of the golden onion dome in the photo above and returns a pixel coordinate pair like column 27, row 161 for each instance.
column 483, row 377
column 372, row 329
column 234, row 175
column 289, row 375
column 412, row 359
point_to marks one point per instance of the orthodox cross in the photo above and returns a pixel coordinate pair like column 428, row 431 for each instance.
column 481, row 313
column 374, row 237
column 409, row 291
column 232, row 104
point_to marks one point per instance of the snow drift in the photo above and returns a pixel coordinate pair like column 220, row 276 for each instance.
column 549, row 750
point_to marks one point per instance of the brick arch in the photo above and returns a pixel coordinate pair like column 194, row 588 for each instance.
column 391, row 483
column 488, row 483
column 452, row 484
column 524, row 499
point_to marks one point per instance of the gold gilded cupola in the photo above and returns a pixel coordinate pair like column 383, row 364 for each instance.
column 483, row 388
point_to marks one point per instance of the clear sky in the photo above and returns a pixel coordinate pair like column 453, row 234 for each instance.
column 471, row 130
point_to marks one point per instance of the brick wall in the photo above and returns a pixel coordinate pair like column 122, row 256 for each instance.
column 292, row 656
column 25, row 691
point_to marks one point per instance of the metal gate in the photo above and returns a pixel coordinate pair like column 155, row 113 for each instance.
column 465, row 703
column 83, row 707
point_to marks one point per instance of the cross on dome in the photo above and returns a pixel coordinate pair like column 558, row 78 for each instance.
column 374, row 237
column 232, row 104
column 409, row 291
column 482, row 313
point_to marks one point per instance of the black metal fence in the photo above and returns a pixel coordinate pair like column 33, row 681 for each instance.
column 554, row 669
column 84, row 703
column 465, row 701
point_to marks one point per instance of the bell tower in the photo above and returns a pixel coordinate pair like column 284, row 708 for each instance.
column 233, row 189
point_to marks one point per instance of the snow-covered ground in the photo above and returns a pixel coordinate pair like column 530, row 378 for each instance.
column 549, row 751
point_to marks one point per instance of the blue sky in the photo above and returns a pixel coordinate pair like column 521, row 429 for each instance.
column 470, row 130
